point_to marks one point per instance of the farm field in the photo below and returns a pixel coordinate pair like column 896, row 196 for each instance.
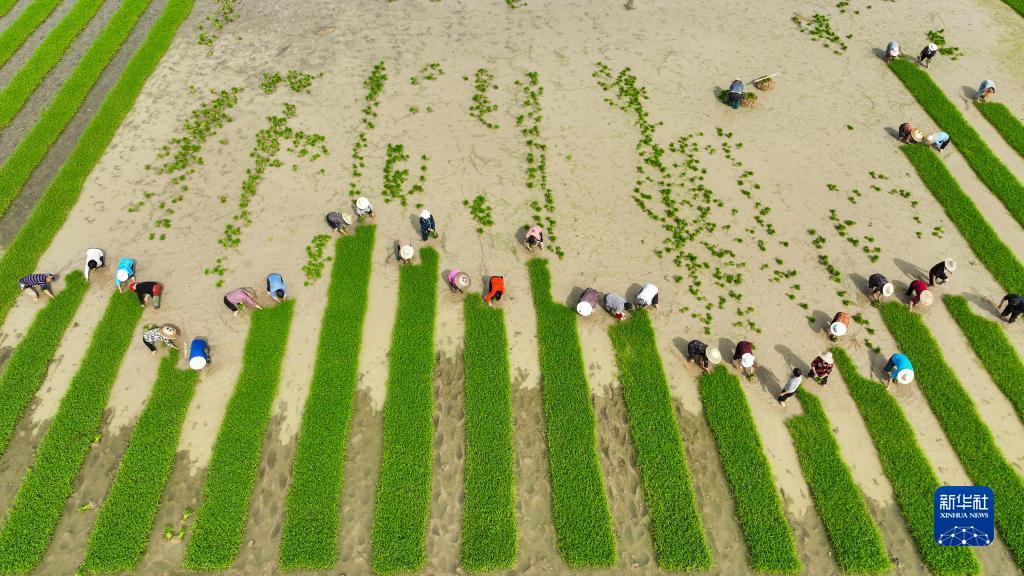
column 379, row 422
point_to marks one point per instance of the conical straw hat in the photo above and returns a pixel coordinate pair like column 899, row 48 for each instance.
column 888, row 289
column 905, row 376
column 714, row 356
column 346, row 218
column 462, row 280
column 169, row 331
column 747, row 360
column 837, row 329
column 950, row 264
column 827, row 358
column 197, row 363
column 927, row 298
column 406, row 252
column 584, row 308
column 362, row 203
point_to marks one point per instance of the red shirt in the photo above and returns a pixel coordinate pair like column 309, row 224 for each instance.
column 917, row 286
column 742, row 348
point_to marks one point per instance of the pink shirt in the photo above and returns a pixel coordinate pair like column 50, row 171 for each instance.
column 240, row 296
column 452, row 275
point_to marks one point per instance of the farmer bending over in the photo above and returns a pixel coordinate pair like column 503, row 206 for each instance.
column 35, row 283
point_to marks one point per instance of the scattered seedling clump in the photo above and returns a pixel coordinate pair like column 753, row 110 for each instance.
column 480, row 211
column 430, row 72
column 483, row 81
column 315, row 259
column 513, row 4
column 374, row 85
column 299, row 82
column 395, row 175
column 211, row 26
column 936, row 37
column 819, row 28
column 529, row 123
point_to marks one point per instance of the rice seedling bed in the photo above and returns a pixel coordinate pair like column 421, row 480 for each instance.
column 990, row 170
column 26, row 23
column 403, row 490
column 235, row 461
column 27, row 366
column 31, row 150
column 490, row 537
column 853, row 534
column 579, row 503
column 309, row 538
column 1008, row 126
column 770, row 546
column 5, row 6
column 50, row 480
column 908, row 470
column 125, row 521
column 53, row 207
column 994, row 350
column 966, row 431
column 1000, row 260
column 46, row 56
column 680, row 542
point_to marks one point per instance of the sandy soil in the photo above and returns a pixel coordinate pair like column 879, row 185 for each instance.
column 795, row 142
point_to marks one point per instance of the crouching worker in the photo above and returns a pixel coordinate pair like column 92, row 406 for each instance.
column 495, row 289
column 899, row 370
column 735, row 95
column 744, row 357
column 879, row 287
column 892, row 51
column 458, row 281
column 534, row 238
column 821, row 367
column 839, row 327
column 587, row 302
column 144, row 290
column 703, row 355
column 152, row 334
column 405, row 252
column 33, row 284
column 648, row 296
column 339, row 222
column 1014, row 307
column 125, row 272
column 94, row 258
column 939, row 273
column 198, row 354
column 241, row 297
column 275, row 287
column 919, row 293
column 987, row 89
column 616, row 305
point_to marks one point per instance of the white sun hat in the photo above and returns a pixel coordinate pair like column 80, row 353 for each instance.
column 747, row 360
column 888, row 289
column 197, row 362
column 905, row 376
column 425, row 214
column 362, row 203
column 714, row 356
column 122, row 275
column 584, row 308
column 406, row 252
column 827, row 357
column 837, row 329
column 462, row 280
column 926, row 297
column 950, row 264
column 933, row 48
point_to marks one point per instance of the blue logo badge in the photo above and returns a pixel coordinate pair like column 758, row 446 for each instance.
column 964, row 516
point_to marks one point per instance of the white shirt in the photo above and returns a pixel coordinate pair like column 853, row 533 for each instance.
column 647, row 294
column 792, row 385
column 93, row 255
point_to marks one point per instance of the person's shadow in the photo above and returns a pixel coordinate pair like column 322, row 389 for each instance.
column 894, row 132
column 983, row 303
column 822, row 320
column 574, row 297
column 912, row 271
column 727, row 347
column 861, row 283
column 969, row 94
column 769, row 382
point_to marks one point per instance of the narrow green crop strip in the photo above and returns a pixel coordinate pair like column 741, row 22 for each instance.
column 579, row 503
column 50, row 481
column 53, row 207
column 311, row 515
column 676, row 527
column 46, row 56
column 490, row 538
column 905, row 465
column 220, row 521
column 1008, row 126
column 5, row 6
column 31, row 150
column 966, row 431
column 990, row 170
column 26, row 368
column 403, row 490
column 125, row 521
column 18, row 31
column 997, row 354
column 1000, row 260
column 854, row 536
column 770, row 546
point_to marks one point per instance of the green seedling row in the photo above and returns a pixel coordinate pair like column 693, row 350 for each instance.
column 1000, row 260
column 579, row 502
column 490, row 538
column 31, row 150
column 220, row 521
column 26, row 368
column 309, row 538
column 5, row 6
column 18, row 31
column 905, row 465
column 125, row 521
column 50, row 480
column 770, row 545
column 680, row 542
column 53, row 207
column 995, row 351
column 46, row 56
column 990, row 170
column 1008, row 126
column 964, row 428
column 856, row 542
column 403, row 490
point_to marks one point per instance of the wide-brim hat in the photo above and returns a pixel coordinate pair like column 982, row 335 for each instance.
column 169, row 331
column 346, row 218
column 362, row 203
column 926, row 297
column 584, row 308
column 462, row 280
column 905, row 376
column 837, row 329
column 425, row 214
column 714, row 356
column 747, row 360
column 123, row 275
column 197, row 363
column 949, row 264
column 888, row 289
column 932, row 48
column 406, row 252
column 827, row 358
column 917, row 135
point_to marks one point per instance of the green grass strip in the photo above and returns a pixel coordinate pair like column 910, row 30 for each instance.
column 676, row 527
column 854, row 536
column 579, row 502
column 31, row 150
column 18, row 31
column 770, row 546
column 905, row 465
column 311, row 515
column 46, row 56
column 996, row 352
column 220, row 521
column 50, row 481
column 60, row 197
column 125, row 521
column 1000, row 260
column 490, row 538
column 27, row 366
column 5, row 6
column 1008, row 126
column 990, row 170
column 403, row 490
column 966, row 431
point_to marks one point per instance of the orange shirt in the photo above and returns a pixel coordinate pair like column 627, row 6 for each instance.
column 497, row 286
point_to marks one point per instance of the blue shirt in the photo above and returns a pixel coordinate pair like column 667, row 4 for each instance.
column 198, row 349
column 898, row 363
column 736, row 87
column 125, row 264
column 274, row 283
column 941, row 137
